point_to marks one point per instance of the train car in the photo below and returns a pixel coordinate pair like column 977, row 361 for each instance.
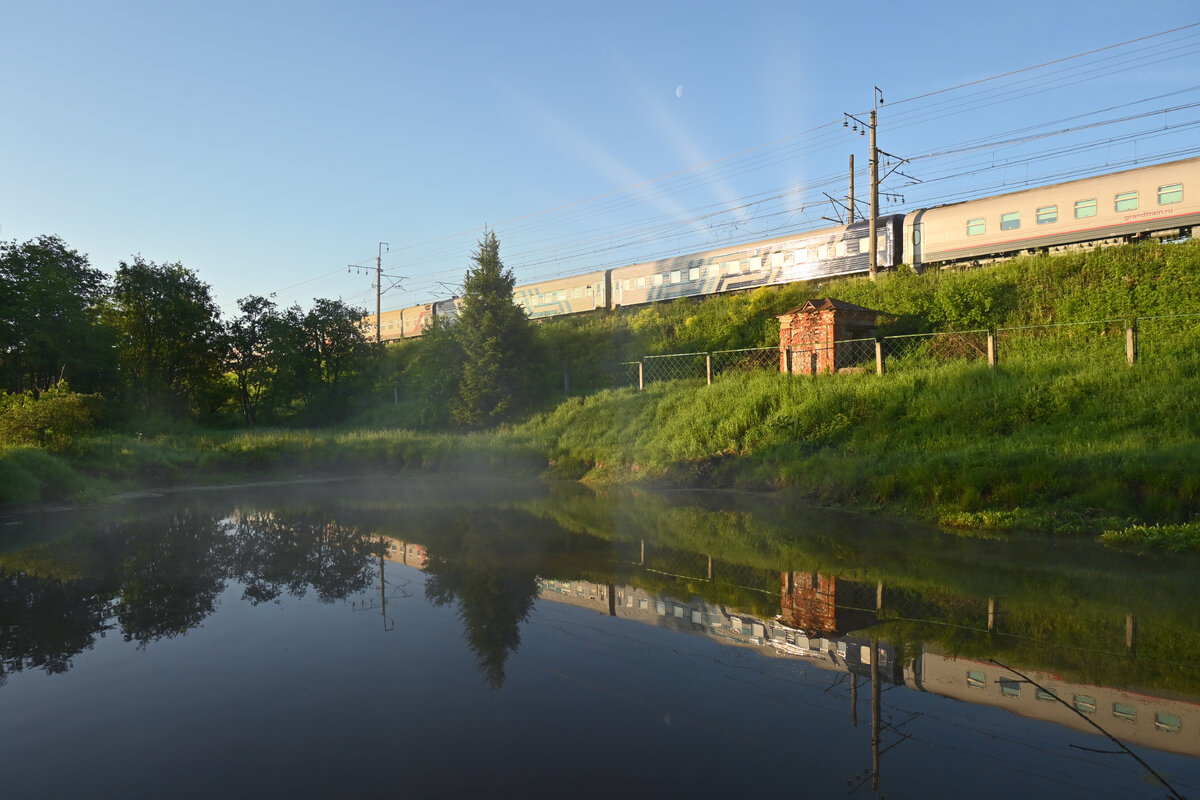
column 840, row 250
column 1163, row 200
column 416, row 319
column 447, row 310
column 559, row 296
column 391, row 325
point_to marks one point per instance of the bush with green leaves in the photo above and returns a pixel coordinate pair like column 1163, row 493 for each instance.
column 55, row 420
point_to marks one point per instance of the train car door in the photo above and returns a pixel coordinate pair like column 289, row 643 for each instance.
column 915, row 242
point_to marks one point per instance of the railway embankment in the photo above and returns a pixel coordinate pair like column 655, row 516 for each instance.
column 1062, row 435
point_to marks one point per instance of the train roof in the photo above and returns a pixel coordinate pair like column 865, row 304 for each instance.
column 1051, row 186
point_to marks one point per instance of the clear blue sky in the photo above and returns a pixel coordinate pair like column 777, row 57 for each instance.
column 266, row 145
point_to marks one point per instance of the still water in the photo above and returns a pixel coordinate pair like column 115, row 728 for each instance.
column 422, row 639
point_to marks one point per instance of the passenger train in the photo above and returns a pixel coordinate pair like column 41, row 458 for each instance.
column 1155, row 201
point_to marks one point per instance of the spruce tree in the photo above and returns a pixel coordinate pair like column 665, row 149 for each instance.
column 496, row 340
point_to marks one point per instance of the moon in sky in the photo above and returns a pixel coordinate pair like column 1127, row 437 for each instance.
column 679, row 90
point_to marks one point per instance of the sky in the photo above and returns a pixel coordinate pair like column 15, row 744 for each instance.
column 274, row 147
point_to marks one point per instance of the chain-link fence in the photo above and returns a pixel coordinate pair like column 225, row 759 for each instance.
column 927, row 349
column 1112, row 341
column 746, row 360
column 1166, row 337
column 681, row 366
column 1096, row 340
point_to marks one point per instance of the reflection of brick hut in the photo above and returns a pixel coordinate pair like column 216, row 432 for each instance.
column 808, row 602
column 808, row 334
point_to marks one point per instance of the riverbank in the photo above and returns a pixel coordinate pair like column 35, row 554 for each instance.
column 1057, row 446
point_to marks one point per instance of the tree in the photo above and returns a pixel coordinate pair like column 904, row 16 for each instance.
column 496, row 341
column 170, row 339
column 249, row 359
column 49, row 318
column 319, row 356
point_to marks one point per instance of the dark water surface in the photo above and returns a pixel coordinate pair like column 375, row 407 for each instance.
column 422, row 639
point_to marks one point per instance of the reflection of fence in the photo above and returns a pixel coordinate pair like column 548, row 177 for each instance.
column 847, row 605
column 1111, row 341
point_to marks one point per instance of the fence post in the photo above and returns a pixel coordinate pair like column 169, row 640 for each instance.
column 787, row 359
column 708, row 366
column 566, row 383
column 878, row 356
column 1130, row 634
column 991, row 614
column 1131, row 341
column 993, row 356
column 641, row 376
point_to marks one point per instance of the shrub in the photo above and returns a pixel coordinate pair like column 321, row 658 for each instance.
column 55, row 420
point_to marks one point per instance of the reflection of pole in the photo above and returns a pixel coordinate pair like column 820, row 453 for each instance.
column 875, row 707
column 853, row 699
column 612, row 600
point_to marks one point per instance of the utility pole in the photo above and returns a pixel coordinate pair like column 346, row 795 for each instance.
column 850, row 221
column 874, row 247
column 873, row 243
column 379, row 288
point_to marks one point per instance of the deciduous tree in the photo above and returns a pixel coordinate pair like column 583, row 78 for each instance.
column 49, row 318
column 170, row 338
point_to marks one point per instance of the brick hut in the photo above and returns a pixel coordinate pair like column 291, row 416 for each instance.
column 807, row 335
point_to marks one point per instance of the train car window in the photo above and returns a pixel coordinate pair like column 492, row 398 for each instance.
column 777, row 260
column 1047, row 215
column 881, row 243
column 839, row 249
column 802, row 255
column 1010, row 221
column 1170, row 194
column 694, row 274
column 755, row 264
column 976, row 227
column 917, row 235
column 1085, row 208
column 641, row 282
column 1127, row 201
column 676, row 276
column 823, row 252
column 1125, row 711
column 577, row 292
column 658, row 279
column 1169, row 723
column 1085, row 703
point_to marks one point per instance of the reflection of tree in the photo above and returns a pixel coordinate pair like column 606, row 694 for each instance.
column 491, row 571
column 170, row 574
column 160, row 575
column 44, row 623
column 289, row 552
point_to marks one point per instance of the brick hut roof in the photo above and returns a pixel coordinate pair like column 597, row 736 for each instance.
column 828, row 304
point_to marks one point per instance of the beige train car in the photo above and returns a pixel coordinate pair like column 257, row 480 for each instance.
column 400, row 323
column 1160, row 200
column 559, row 296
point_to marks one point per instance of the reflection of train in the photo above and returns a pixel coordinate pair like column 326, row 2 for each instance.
column 1146, row 201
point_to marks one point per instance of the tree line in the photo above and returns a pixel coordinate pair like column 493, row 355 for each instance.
column 148, row 344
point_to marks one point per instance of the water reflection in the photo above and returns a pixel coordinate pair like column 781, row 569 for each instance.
column 994, row 624
column 158, row 575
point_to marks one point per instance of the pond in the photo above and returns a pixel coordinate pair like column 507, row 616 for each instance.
column 439, row 638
